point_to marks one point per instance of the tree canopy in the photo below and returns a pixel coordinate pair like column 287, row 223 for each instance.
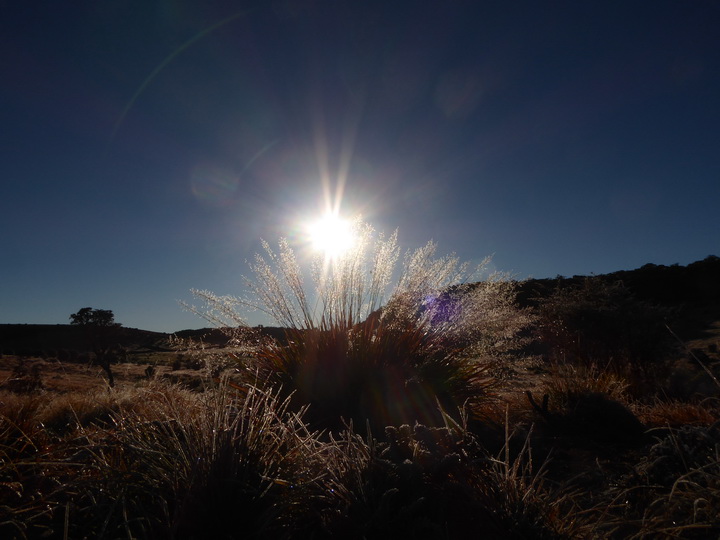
column 88, row 316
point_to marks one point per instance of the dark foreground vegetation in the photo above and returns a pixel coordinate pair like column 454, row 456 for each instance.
column 567, row 408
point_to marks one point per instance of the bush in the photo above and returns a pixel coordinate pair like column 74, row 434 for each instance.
column 602, row 326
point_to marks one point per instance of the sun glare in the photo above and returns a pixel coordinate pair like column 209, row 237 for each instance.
column 331, row 235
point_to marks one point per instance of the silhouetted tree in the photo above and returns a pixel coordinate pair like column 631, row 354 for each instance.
column 93, row 317
column 100, row 326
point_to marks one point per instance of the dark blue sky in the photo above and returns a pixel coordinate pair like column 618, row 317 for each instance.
column 146, row 148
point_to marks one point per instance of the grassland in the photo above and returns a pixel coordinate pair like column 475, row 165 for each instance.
column 596, row 417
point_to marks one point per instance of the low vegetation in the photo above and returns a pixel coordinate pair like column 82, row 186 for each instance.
column 412, row 402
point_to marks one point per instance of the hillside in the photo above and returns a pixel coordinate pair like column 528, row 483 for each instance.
column 30, row 339
column 36, row 339
column 690, row 294
column 695, row 284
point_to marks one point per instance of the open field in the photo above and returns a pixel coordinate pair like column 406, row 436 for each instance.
column 79, row 457
column 53, row 376
column 584, row 413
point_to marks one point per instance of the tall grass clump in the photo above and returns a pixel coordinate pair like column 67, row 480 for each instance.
column 370, row 341
column 221, row 465
column 673, row 491
column 23, row 487
column 437, row 482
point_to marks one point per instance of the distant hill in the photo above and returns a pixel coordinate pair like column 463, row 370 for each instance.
column 690, row 294
column 695, row 284
column 32, row 338
column 219, row 336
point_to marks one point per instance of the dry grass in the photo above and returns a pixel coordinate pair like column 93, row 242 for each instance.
column 676, row 413
column 379, row 417
column 159, row 461
column 673, row 491
column 162, row 462
column 567, row 381
column 362, row 348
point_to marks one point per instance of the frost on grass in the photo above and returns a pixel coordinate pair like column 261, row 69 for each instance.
column 368, row 341
column 426, row 292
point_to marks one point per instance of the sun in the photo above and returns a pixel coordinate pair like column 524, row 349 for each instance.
column 331, row 235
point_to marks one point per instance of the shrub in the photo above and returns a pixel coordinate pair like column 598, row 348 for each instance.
column 601, row 324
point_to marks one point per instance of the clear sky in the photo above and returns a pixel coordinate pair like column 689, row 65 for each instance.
column 146, row 146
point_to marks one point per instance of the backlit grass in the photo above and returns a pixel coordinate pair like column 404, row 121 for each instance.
column 403, row 402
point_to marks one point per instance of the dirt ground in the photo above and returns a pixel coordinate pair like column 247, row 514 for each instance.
column 63, row 377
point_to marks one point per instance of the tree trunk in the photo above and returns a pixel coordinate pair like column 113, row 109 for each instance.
column 103, row 359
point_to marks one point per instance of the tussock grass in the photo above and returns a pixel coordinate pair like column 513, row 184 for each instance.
column 672, row 492
column 425, row 482
column 364, row 349
column 202, row 471
column 237, row 462
column 19, row 415
column 567, row 381
column 384, row 376
column 181, row 465
column 674, row 413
